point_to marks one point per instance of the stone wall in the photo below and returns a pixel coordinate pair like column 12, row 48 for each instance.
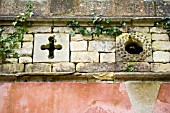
column 88, row 7
column 91, row 54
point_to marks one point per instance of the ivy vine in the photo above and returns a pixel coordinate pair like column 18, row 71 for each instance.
column 10, row 42
column 165, row 23
column 100, row 26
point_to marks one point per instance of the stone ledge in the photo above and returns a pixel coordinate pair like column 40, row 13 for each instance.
column 86, row 77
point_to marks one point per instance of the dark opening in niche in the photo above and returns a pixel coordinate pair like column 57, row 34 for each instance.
column 133, row 47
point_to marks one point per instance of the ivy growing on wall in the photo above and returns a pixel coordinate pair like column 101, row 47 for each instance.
column 100, row 26
column 10, row 41
column 165, row 23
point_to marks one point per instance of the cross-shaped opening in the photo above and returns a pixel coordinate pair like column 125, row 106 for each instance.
column 51, row 47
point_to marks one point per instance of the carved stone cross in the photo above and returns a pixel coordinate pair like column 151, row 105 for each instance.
column 51, row 47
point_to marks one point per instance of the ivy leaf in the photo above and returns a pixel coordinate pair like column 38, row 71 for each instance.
column 15, row 55
column 72, row 33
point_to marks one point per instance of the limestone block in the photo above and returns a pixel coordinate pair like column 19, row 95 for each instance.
column 95, row 67
column 24, row 51
column 38, row 67
column 78, row 46
column 107, row 57
column 84, row 57
column 102, row 46
column 139, row 29
column 133, row 66
column 79, row 37
column 25, row 60
column 39, row 29
column 157, row 30
column 12, row 68
column 28, row 38
column 159, row 67
column 105, row 37
column 161, row 45
column 143, row 95
column 62, row 30
column 59, row 55
column 161, row 56
column 63, row 67
column 160, row 37
column 27, row 45
column 12, row 60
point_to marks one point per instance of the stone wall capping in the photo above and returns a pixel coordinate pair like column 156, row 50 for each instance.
column 92, row 77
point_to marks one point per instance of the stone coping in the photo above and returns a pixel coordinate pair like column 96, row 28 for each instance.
column 83, row 18
column 86, row 77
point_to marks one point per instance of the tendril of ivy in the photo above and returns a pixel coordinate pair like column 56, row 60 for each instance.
column 10, row 41
column 100, row 26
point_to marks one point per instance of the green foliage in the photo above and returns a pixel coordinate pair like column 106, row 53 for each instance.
column 165, row 23
column 130, row 68
column 9, row 43
column 100, row 27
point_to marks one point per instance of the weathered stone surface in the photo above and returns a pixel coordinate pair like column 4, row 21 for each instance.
column 161, row 56
column 107, row 57
column 133, row 66
column 163, row 101
column 102, row 46
column 163, row 8
column 28, row 38
column 27, row 45
column 143, row 95
column 24, row 51
column 63, row 67
column 62, row 30
column 105, row 37
column 12, row 60
column 25, row 59
column 80, row 37
column 12, row 68
column 139, row 29
column 39, row 29
column 78, row 46
column 161, row 45
column 59, row 55
column 157, row 30
column 160, row 37
column 38, row 67
column 159, row 67
column 95, row 67
column 53, row 96
column 84, row 57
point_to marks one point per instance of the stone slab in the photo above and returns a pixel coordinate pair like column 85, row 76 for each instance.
column 64, row 97
column 163, row 101
column 59, row 55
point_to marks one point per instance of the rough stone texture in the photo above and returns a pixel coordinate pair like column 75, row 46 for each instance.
column 139, row 29
column 78, row 46
column 79, row 37
column 95, row 67
column 135, row 66
column 84, row 57
column 107, row 57
column 62, row 30
column 163, row 8
column 63, row 67
column 27, row 45
column 161, row 56
column 161, row 45
column 59, row 55
column 38, row 67
column 28, row 38
column 163, row 101
column 12, row 68
column 12, row 60
column 123, row 55
column 160, row 37
column 39, row 29
column 53, row 96
column 105, row 37
column 25, row 60
column 102, row 46
column 157, row 30
column 24, row 51
column 143, row 95
column 159, row 67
